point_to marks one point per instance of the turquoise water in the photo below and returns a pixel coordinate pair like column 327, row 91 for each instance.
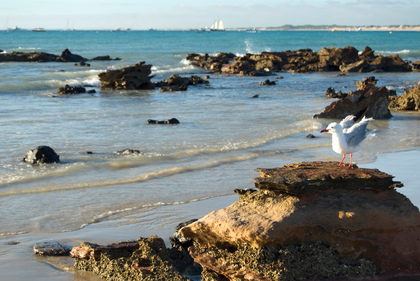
column 223, row 136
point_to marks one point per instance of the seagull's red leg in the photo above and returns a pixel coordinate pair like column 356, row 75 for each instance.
column 351, row 156
column 344, row 156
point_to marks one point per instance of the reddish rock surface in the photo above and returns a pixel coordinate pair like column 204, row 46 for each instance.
column 367, row 94
column 351, row 219
column 410, row 100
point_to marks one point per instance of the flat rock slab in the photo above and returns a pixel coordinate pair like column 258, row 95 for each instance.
column 51, row 249
column 303, row 178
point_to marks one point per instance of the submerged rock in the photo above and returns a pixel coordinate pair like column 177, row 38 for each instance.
column 178, row 83
column 41, row 154
column 128, row 151
column 311, row 221
column 268, row 83
column 171, row 121
column 71, row 90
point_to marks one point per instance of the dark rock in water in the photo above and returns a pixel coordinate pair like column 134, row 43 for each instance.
column 410, row 100
column 129, row 151
column 170, row 121
column 331, row 93
column 67, row 56
column 82, row 63
column 145, row 259
column 135, row 77
column 310, row 136
column 178, row 83
column 268, row 83
column 51, row 249
column 366, row 95
column 71, row 90
column 103, row 58
column 41, row 154
column 255, row 96
column 214, row 64
column 173, row 88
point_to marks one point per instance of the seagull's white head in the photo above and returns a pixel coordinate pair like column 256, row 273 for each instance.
column 333, row 128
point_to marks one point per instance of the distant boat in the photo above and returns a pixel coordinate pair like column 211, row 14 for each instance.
column 252, row 30
column 199, row 30
column 38, row 29
column 217, row 26
column 16, row 28
column 120, row 30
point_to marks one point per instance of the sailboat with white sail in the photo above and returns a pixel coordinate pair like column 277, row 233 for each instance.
column 218, row 26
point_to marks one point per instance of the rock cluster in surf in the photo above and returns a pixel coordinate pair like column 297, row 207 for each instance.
column 345, row 59
column 66, row 56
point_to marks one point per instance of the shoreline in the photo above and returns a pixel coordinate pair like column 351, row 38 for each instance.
column 337, row 28
column 21, row 255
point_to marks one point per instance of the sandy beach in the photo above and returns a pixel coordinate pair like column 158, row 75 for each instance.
column 18, row 254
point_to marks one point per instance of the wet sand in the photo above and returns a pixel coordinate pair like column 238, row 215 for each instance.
column 17, row 261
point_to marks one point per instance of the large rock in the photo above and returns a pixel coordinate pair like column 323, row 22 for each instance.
column 410, row 100
column 178, row 83
column 135, row 77
column 367, row 94
column 311, row 221
column 335, row 57
column 391, row 63
column 41, row 154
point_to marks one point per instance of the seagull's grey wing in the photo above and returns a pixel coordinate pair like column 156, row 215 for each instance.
column 357, row 133
column 347, row 122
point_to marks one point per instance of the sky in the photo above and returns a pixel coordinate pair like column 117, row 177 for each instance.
column 183, row 14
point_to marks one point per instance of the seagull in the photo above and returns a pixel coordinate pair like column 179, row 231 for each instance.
column 347, row 135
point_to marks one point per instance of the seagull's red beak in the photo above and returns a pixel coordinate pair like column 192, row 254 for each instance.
column 324, row 131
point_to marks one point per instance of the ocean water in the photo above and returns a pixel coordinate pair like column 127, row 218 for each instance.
column 223, row 134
